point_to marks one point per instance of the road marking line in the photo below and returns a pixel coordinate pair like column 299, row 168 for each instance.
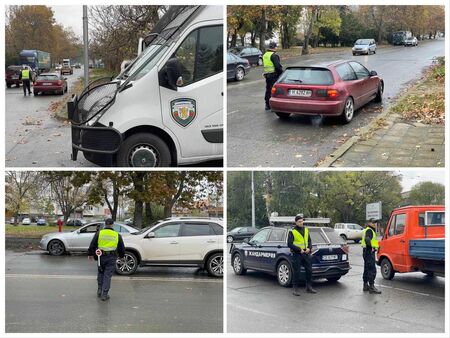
column 251, row 310
column 233, row 112
column 410, row 291
column 119, row 278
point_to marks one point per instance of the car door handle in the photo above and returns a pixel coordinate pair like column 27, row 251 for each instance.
column 174, row 242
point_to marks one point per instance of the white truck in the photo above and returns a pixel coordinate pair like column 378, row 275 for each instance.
column 166, row 108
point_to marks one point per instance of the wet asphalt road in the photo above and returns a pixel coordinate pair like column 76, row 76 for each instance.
column 36, row 139
column 410, row 302
column 58, row 294
column 260, row 138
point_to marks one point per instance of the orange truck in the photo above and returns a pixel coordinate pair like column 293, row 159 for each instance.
column 414, row 240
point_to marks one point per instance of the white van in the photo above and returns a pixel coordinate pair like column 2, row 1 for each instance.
column 166, row 108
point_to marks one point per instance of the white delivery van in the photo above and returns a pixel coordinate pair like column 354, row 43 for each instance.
column 166, row 108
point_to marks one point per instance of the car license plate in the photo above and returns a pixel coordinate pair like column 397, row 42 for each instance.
column 299, row 92
column 46, row 84
column 329, row 257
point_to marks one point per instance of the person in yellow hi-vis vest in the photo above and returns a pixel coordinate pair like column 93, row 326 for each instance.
column 110, row 243
column 25, row 77
column 369, row 242
column 272, row 70
column 300, row 244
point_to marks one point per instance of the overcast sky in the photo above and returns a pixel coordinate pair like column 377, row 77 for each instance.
column 70, row 16
column 412, row 177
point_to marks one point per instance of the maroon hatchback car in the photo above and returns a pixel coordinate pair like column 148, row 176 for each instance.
column 50, row 83
column 332, row 89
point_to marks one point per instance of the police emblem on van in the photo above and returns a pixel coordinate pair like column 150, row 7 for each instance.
column 183, row 111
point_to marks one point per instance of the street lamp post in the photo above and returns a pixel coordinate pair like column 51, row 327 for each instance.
column 253, row 202
column 85, row 45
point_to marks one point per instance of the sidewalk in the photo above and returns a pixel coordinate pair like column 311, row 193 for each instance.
column 397, row 143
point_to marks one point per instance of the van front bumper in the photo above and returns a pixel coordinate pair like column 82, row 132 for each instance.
column 94, row 141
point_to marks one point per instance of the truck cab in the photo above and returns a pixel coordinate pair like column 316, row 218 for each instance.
column 166, row 108
column 414, row 240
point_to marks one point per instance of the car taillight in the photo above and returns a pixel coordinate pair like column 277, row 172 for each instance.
column 59, row 82
column 277, row 91
column 327, row 93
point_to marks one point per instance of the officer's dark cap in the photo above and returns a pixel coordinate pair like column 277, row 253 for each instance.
column 272, row 44
column 299, row 216
column 372, row 220
column 109, row 221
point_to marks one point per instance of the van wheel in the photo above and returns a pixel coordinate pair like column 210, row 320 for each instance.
column 348, row 112
column 214, row 265
column 144, row 150
column 387, row 270
column 379, row 97
column 284, row 273
column 127, row 265
column 283, row 116
column 344, row 237
column 238, row 266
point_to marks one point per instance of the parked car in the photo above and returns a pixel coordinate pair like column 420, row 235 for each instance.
column 176, row 242
column 240, row 233
column 411, row 41
column 50, row 83
column 336, row 88
column 66, row 69
column 12, row 74
column 26, row 221
column 350, row 231
column 237, row 68
column 267, row 251
column 58, row 243
column 77, row 66
column 58, row 67
column 74, row 222
column 128, row 221
column 41, row 221
column 364, row 46
column 251, row 54
column 414, row 240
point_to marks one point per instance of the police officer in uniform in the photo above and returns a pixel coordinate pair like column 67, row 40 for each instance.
column 25, row 76
column 300, row 244
column 272, row 70
column 369, row 242
column 111, row 245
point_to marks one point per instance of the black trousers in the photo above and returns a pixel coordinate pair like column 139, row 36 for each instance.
column 370, row 270
column 298, row 261
column 271, row 78
column 105, row 272
column 26, row 85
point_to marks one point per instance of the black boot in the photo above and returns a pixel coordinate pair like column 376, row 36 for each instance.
column 365, row 286
column 99, row 292
column 373, row 289
column 296, row 291
column 267, row 107
column 105, row 296
column 310, row 289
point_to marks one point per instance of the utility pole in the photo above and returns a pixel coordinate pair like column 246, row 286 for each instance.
column 253, row 202
column 85, row 45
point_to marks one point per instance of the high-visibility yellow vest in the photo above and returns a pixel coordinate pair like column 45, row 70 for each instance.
column 25, row 74
column 299, row 240
column 374, row 240
column 108, row 240
column 269, row 67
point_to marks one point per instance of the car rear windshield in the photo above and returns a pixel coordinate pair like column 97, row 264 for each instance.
column 48, row 77
column 307, row 76
column 333, row 236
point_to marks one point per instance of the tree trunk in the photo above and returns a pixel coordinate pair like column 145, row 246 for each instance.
column 233, row 39
column 148, row 213
column 253, row 38
column 66, row 215
column 168, row 210
column 137, row 217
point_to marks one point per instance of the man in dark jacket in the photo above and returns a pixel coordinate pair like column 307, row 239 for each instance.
column 25, row 76
column 110, row 244
column 272, row 70
column 299, row 242
column 369, row 242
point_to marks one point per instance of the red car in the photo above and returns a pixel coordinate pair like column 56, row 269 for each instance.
column 332, row 89
column 50, row 83
column 12, row 76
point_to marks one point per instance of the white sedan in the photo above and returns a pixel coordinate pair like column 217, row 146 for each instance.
column 58, row 243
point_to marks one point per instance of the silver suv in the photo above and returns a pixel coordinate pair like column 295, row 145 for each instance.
column 181, row 241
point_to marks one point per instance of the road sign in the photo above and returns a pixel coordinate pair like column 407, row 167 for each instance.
column 373, row 210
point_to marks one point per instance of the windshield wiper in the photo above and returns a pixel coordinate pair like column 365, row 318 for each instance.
column 295, row 80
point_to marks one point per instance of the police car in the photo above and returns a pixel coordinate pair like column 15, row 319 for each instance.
column 267, row 251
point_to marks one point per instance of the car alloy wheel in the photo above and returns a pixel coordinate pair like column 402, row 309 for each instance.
column 56, row 248
column 230, row 239
column 126, row 265
column 239, row 74
column 284, row 274
column 348, row 110
column 237, row 264
column 215, row 265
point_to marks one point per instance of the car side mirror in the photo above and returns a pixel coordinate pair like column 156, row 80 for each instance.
column 65, row 78
column 245, row 240
column 150, row 235
column 373, row 73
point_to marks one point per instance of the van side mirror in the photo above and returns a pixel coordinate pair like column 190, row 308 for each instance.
column 173, row 72
column 179, row 81
column 373, row 73
column 150, row 235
